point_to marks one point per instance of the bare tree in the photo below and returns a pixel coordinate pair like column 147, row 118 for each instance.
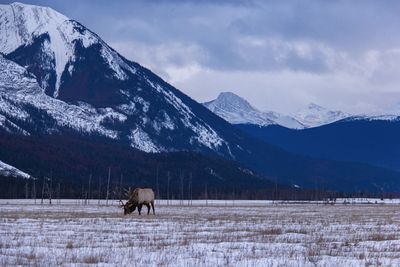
column 41, row 202
column 99, row 194
column 83, row 197
column 206, row 194
column 50, row 189
column 181, row 189
column 190, row 190
column 26, row 189
column 157, row 186
column 168, row 179
column 34, row 189
column 120, row 186
column 108, row 185
column 233, row 197
column 89, row 189
column 59, row 193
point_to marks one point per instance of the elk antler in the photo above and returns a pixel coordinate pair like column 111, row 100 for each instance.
column 127, row 192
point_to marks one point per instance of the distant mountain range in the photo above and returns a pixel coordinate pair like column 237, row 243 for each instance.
column 321, row 133
column 237, row 110
column 60, row 79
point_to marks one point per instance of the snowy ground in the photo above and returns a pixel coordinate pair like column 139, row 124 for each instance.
column 233, row 233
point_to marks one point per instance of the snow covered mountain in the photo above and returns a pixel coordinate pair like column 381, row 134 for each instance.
column 314, row 115
column 237, row 110
column 72, row 79
column 23, row 25
column 10, row 171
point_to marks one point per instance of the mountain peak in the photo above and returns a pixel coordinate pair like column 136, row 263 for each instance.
column 24, row 5
column 238, row 110
column 232, row 102
column 28, row 20
column 314, row 106
column 315, row 115
column 42, row 28
column 35, row 16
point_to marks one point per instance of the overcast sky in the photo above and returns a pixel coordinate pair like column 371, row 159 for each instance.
column 280, row 55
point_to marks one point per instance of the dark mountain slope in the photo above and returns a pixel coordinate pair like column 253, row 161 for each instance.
column 369, row 141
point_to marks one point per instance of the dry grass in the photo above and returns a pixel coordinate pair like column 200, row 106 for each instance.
column 283, row 235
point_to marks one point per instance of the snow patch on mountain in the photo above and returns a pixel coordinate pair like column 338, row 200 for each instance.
column 128, row 109
column 374, row 118
column 142, row 141
column 237, row 110
column 145, row 105
column 10, row 171
column 314, row 115
column 164, row 122
column 116, row 63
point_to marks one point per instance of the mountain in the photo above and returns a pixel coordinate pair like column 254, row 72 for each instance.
column 10, row 171
column 372, row 140
column 79, row 75
column 59, row 78
column 237, row 110
column 314, row 115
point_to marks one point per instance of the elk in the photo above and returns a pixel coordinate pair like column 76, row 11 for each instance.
column 138, row 198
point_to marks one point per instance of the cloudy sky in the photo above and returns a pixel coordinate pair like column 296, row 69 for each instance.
column 280, row 55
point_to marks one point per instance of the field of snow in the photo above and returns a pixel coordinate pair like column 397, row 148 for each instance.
column 212, row 233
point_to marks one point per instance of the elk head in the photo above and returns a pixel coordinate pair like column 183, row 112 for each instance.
column 128, row 207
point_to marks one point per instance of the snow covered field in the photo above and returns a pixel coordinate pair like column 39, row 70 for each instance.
column 239, row 233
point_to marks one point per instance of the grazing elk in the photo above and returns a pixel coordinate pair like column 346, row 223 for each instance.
column 138, row 198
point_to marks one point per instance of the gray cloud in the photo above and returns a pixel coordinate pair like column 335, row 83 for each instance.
column 342, row 54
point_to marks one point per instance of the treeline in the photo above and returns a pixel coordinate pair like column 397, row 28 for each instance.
column 74, row 162
column 50, row 189
column 69, row 166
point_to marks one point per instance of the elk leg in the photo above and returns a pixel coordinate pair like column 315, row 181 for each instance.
column 148, row 208
column 140, row 208
column 152, row 205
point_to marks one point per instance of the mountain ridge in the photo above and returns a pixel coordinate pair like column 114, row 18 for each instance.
column 236, row 110
column 314, row 116
column 370, row 140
